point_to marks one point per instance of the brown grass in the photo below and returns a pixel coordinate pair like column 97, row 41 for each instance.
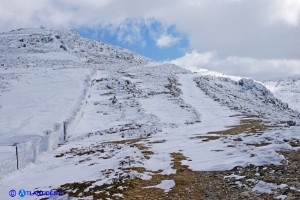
column 251, row 126
column 134, row 143
column 206, row 138
column 186, row 184
column 262, row 144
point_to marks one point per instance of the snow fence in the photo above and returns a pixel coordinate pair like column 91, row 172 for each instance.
column 19, row 155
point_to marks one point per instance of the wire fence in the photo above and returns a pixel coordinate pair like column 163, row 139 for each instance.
column 18, row 155
column 8, row 160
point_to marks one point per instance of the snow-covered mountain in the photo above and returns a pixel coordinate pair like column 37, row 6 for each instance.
column 287, row 90
column 88, row 118
column 35, row 47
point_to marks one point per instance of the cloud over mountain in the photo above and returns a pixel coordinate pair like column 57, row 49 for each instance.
column 258, row 31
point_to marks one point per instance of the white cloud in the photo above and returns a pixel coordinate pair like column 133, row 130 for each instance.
column 194, row 59
column 258, row 33
column 166, row 41
column 139, row 30
column 260, row 69
column 128, row 31
column 287, row 11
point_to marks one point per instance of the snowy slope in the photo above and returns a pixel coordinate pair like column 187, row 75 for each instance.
column 287, row 90
column 58, row 48
column 124, row 112
column 249, row 96
column 44, row 78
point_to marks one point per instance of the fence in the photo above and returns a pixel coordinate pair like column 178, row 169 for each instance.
column 18, row 155
column 8, row 160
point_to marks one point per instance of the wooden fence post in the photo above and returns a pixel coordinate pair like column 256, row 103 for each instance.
column 65, row 131
column 17, row 155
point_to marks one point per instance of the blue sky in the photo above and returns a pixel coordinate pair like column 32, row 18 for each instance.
column 149, row 38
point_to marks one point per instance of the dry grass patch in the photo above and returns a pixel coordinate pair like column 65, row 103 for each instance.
column 134, row 143
column 206, row 138
column 251, row 126
column 186, row 184
column 262, row 144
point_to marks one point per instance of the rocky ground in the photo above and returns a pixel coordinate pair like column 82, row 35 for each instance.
column 237, row 183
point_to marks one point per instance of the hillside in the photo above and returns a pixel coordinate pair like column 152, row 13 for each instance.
column 287, row 90
column 98, row 121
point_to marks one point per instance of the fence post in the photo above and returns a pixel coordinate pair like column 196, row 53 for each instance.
column 65, row 131
column 17, row 155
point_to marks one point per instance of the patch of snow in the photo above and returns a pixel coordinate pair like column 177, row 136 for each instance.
column 295, row 189
column 281, row 197
column 263, row 187
column 165, row 185
column 237, row 177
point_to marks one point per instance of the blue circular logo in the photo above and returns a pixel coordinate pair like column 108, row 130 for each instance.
column 12, row 193
column 22, row 193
